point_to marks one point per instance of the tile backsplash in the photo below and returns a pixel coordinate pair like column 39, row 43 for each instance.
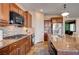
column 12, row 30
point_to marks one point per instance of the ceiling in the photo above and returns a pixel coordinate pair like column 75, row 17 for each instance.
column 53, row 8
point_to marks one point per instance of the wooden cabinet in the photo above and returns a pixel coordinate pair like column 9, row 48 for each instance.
column 13, row 7
column 58, row 19
column 0, row 11
column 4, row 51
column 28, row 19
column 5, row 11
column 21, row 12
column 20, row 47
column 14, row 52
column 25, row 20
column 4, row 14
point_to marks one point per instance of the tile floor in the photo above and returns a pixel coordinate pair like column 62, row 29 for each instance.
column 39, row 49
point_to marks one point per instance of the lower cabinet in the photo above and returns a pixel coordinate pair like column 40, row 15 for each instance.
column 21, row 50
column 4, row 51
column 14, row 52
column 20, row 47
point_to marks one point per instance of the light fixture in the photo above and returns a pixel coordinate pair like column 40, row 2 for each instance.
column 65, row 13
column 41, row 10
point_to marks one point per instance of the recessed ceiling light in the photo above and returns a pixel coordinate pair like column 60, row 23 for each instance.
column 41, row 10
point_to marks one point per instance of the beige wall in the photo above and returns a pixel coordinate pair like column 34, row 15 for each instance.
column 38, row 25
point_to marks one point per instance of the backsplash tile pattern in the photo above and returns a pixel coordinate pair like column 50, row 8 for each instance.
column 12, row 30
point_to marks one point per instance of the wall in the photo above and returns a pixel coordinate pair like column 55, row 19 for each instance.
column 38, row 25
column 77, row 27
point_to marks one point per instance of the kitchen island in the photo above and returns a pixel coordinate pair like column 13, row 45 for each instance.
column 66, row 45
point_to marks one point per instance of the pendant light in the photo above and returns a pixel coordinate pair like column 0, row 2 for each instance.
column 65, row 13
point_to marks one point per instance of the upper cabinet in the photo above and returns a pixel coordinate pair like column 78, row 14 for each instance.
column 57, row 19
column 21, row 12
column 5, row 12
column 0, row 11
column 5, row 9
column 13, row 7
column 28, row 19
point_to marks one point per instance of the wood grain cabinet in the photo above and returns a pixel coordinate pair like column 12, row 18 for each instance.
column 4, row 14
column 58, row 19
column 13, row 7
column 14, row 52
column 4, row 51
column 0, row 10
column 5, row 11
column 28, row 19
column 21, row 12
column 20, row 47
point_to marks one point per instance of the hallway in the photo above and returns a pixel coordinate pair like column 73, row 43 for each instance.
column 39, row 49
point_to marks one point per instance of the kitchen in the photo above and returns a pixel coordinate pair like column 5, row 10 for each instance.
column 24, row 25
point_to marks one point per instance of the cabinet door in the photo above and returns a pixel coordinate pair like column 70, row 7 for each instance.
column 14, row 8
column 4, row 51
column 26, row 19
column 28, row 46
column 21, row 12
column 30, row 20
column 5, row 12
column 0, row 11
column 22, row 50
column 15, row 52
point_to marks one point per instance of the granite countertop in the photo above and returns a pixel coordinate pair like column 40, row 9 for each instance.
column 65, row 43
column 6, row 42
